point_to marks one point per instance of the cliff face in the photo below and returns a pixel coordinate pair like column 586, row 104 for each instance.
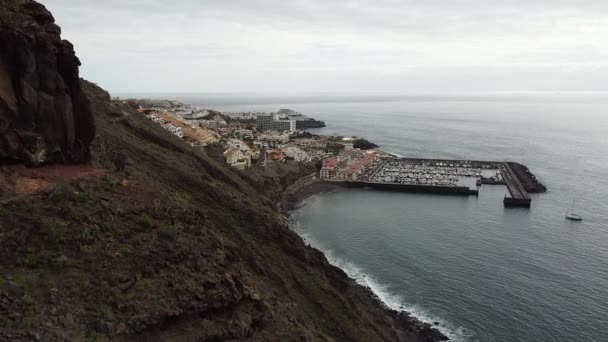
column 44, row 115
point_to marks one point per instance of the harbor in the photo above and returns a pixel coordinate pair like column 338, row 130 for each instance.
column 347, row 161
column 442, row 176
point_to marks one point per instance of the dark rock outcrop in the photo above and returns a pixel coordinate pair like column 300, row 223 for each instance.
column 364, row 144
column 44, row 115
column 527, row 179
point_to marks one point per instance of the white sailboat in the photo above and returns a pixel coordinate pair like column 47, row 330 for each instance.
column 572, row 216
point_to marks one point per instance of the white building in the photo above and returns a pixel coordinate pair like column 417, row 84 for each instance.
column 264, row 122
column 237, row 158
column 284, row 125
column 174, row 129
column 245, row 133
column 274, row 137
column 297, row 154
column 267, row 122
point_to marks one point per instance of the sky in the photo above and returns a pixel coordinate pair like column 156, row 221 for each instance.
column 316, row 46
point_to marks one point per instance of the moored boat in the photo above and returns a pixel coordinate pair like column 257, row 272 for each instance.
column 572, row 216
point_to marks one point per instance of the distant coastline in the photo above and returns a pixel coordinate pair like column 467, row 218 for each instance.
column 247, row 99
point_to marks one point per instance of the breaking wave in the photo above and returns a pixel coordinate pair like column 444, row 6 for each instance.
column 391, row 300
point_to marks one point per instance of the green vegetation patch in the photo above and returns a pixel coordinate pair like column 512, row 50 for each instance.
column 91, row 233
column 68, row 192
column 33, row 258
column 56, row 231
column 146, row 221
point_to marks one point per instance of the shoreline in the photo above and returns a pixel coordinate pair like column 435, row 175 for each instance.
column 290, row 201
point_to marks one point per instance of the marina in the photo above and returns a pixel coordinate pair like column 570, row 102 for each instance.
column 463, row 177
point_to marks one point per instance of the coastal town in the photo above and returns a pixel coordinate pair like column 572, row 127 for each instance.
column 255, row 139
column 251, row 139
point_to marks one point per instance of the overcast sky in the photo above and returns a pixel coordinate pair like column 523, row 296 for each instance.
column 338, row 46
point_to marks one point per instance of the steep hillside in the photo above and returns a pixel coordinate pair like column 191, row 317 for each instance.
column 158, row 242
column 170, row 244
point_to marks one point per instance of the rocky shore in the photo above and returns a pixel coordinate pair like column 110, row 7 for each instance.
column 294, row 195
column 364, row 144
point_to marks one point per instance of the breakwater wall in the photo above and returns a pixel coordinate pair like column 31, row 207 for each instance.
column 519, row 195
column 452, row 190
column 527, row 179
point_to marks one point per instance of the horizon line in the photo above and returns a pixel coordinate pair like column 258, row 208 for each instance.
column 402, row 93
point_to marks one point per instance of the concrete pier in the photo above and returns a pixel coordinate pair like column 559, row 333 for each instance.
column 453, row 190
column 519, row 196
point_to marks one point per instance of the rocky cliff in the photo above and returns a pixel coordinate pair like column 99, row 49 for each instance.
column 44, row 115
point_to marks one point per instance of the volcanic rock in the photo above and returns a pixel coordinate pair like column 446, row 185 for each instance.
column 44, row 115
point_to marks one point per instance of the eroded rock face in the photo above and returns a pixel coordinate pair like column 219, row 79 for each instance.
column 44, row 115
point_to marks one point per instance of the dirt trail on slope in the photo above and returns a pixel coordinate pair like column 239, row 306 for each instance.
column 18, row 181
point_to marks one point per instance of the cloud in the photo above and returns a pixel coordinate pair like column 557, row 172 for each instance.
column 239, row 45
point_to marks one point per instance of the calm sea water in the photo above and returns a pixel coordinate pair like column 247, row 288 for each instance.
column 482, row 271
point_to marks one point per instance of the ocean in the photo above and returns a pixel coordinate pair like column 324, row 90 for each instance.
column 482, row 272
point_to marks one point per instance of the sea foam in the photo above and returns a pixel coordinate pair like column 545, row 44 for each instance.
column 382, row 291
